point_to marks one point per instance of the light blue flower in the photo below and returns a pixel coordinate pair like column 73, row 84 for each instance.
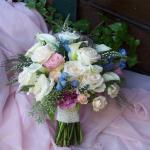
column 123, row 52
column 122, row 64
column 59, row 87
column 75, row 83
column 64, row 76
column 63, row 83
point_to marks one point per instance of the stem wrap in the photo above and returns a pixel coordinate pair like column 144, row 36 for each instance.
column 67, row 115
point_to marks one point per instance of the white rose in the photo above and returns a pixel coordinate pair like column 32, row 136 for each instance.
column 110, row 76
column 102, row 48
column 28, row 75
column 88, row 55
column 42, row 87
column 42, row 54
column 74, row 68
column 94, row 80
column 68, row 36
column 113, row 90
column 99, row 103
column 49, row 39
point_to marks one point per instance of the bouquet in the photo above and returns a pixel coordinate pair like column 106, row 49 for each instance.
column 64, row 71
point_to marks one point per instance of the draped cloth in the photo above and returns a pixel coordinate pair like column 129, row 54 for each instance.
column 111, row 129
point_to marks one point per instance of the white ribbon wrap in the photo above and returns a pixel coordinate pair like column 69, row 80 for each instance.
column 67, row 115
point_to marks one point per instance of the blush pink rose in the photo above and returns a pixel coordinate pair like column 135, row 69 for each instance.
column 54, row 61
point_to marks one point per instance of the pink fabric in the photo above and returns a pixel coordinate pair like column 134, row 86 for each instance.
column 110, row 129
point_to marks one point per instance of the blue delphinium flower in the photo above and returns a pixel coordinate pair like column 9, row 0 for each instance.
column 59, row 87
column 75, row 83
column 123, row 52
column 64, row 76
column 122, row 64
column 109, row 66
column 63, row 83
column 66, row 46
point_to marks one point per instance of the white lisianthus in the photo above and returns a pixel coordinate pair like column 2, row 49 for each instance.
column 88, row 55
column 42, row 87
column 28, row 75
column 74, row 47
column 113, row 90
column 42, row 54
column 68, row 36
column 110, row 76
column 99, row 103
column 74, row 68
column 95, row 68
column 102, row 48
column 49, row 39
column 32, row 49
column 94, row 80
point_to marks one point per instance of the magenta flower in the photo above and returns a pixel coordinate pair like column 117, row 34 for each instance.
column 69, row 100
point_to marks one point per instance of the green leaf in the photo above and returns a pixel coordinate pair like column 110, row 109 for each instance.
column 26, row 88
column 82, row 25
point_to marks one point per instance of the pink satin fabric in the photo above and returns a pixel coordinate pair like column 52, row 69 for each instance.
column 111, row 129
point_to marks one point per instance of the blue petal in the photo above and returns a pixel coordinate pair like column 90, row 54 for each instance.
column 75, row 83
column 63, row 76
column 63, row 83
column 66, row 47
column 123, row 52
column 122, row 64
column 59, row 87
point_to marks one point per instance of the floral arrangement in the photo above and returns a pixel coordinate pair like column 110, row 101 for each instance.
column 66, row 70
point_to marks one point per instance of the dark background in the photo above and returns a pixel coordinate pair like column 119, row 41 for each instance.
column 136, row 13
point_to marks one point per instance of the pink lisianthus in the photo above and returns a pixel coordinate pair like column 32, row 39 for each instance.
column 69, row 100
column 54, row 61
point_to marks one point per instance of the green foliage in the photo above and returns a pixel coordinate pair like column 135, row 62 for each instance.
column 26, row 88
column 82, row 26
column 115, row 36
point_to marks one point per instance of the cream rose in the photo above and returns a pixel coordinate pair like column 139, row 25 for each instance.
column 87, row 55
column 42, row 87
column 42, row 54
column 28, row 75
column 113, row 90
column 99, row 103
column 74, row 68
column 94, row 80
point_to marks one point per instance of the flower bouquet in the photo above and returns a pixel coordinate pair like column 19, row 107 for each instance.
column 65, row 70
